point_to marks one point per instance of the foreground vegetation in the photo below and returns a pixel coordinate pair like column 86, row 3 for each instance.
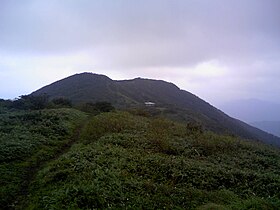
column 27, row 140
column 62, row 159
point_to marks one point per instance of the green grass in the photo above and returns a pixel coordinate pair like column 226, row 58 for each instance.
column 28, row 139
column 131, row 162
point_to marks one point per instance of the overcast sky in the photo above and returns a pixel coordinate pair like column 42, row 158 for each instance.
column 220, row 50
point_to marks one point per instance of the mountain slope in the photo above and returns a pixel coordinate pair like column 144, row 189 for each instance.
column 65, row 159
column 122, row 161
column 170, row 101
column 80, row 88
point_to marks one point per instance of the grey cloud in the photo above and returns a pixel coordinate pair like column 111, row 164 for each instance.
column 186, row 28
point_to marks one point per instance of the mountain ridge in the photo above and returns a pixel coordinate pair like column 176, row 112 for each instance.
column 170, row 100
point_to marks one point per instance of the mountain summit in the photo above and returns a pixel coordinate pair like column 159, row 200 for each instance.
column 169, row 100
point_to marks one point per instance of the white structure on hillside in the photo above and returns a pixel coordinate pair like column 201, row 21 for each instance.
column 149, row 103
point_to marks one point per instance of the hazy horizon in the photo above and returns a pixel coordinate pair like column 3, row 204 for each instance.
column 218, row 51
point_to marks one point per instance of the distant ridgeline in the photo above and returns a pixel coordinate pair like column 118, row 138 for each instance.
column 157, row 96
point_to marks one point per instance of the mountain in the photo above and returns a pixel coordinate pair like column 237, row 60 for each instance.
column 272, row 127
column 252, row 110
column 169, row 100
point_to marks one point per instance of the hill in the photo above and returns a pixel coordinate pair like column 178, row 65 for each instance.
column 65, row 159
column 169, row 99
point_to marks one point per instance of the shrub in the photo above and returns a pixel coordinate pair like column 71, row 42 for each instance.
column 97, row 107
column 62, row 102
column 30, row 102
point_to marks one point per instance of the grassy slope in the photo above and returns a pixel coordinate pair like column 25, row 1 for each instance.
column 27, row 140
column 125, row 161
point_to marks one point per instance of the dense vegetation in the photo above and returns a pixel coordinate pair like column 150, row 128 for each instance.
column 121, row 160
column 27, row 140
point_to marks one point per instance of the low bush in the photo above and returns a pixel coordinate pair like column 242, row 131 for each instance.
column 123, row 161
column 27, row 139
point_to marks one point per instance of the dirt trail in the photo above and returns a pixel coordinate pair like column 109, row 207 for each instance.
column 33, row 169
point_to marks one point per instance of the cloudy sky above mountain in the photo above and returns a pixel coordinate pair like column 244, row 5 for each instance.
column 219, row 50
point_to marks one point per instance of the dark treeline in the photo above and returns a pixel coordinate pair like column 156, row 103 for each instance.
column 31, row 102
